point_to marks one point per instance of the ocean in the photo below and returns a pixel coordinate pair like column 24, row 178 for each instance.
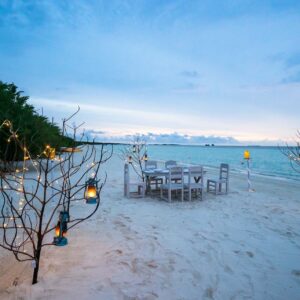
column 268, row 161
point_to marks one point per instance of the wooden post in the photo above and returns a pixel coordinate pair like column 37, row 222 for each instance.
column 126, row 180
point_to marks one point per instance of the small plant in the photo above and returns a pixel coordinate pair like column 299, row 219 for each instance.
column 136, row 154
column 293, row 153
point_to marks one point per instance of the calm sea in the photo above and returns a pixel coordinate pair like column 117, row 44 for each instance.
column 264, row 160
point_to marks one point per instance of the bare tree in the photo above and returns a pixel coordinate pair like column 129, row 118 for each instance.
column 38, row 195
column 135, row 153
column 293, row 153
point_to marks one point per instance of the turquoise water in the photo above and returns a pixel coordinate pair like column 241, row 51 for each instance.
column 264, row 160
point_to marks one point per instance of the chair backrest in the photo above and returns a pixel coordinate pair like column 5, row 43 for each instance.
column 150, row 164
column 224, row 171
column 170, row 163
column 175, row 173
column 196, row 171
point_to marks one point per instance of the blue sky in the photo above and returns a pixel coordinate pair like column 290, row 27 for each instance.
column 167, row 69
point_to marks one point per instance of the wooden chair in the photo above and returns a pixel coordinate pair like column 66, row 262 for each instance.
column 139, row 187
column 169, row 164
column 193, row 185
column 152, row 180
column 174, row 172
column 150, row 164
column 215, row 185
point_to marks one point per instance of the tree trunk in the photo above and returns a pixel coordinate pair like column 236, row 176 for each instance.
column 37, row 266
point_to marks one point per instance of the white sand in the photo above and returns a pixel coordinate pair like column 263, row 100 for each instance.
column 237, row 246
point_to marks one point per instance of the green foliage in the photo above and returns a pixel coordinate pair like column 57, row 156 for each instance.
column 34, row 131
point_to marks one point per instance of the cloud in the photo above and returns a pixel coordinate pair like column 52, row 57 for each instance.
column 288, row 59
column 164, row 138
column 293, row 60
column 190, row 74
column 295, row 78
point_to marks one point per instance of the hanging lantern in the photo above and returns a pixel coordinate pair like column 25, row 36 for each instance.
column 61, row 229
column 49, row 152
column 130, row 159
column 57, row 229
column 247, row 154
column 145, row 157
column 91, row 191
column 64, row 216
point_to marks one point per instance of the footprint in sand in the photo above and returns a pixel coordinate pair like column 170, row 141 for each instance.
column 249, row 253
column 16, row 281
column 296, row 273
column 209, row 293
column 119, row 223
column 228, row 270
column 127, row 218
column 118, row 251
column 152, row 264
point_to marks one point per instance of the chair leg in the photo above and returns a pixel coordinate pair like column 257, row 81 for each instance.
column 220, row 188
column 169, row 195
column 127, row 191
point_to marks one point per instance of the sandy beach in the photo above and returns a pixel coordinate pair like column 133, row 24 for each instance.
column 237, row 246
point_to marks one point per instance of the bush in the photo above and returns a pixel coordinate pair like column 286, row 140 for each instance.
column 33, row 130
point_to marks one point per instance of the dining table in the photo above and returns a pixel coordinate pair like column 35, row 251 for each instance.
column 159, row 172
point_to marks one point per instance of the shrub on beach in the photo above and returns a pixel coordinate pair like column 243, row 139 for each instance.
column 33, row 129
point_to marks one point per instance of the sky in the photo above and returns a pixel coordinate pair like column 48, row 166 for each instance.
column 182, row 71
